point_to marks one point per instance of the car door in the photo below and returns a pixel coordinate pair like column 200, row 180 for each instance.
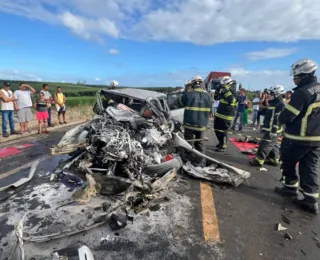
column 176, row 111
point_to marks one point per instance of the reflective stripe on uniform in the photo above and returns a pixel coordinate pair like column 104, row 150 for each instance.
column 196, row 128
column 271, row 120
column 229, row 118
column 198, row 89
column 227, row 94
column 313, row 195
column 227, row 103
column 295, row 185
column 304, row 123
column 302, row 138
column 201, row 109
column 292, row 109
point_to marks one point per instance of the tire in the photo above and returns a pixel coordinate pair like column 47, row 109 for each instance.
column 158, row 170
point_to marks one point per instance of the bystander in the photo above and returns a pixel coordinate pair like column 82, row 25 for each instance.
column 241, row 100
column 24, row 105
column 7, row 109
column 60, row 100
column 48, row 97
column 255, row 112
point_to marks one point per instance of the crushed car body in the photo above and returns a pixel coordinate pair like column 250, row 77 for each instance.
column 128, row 152
column 133, row 135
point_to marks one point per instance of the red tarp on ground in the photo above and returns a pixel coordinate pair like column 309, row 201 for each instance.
column 9, row 151
column 243, row 146
column 13, row 150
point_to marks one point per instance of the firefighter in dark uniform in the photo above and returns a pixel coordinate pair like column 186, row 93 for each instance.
column 268, row 151
column 197, row 109
column 301, row 142
column 225, row 112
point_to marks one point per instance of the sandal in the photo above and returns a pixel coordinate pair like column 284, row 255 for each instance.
column 47, row 132
column 60, row 123
column 65, row 122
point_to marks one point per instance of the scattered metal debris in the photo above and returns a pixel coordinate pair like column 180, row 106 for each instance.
column 304, row 253
column 285, row 219
column 18, row 250
column 81, row 253
column 287, row 236
column 25, row 179
column 279, row 227
column 262, row 169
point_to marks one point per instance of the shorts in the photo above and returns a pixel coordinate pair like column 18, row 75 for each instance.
column 42, row 115
column 60, row 110
column 24, row 115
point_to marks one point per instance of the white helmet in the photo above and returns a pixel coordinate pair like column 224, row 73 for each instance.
column 277, row 90
column 114, row 83
column 187, row 82
column 304, row 66
column 196, row 81
column 225, row 80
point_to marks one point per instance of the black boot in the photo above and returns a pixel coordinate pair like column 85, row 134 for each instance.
column 255, row 163
column 311, row 207
column 286, row 192
column 220, row 149
column 272, row 162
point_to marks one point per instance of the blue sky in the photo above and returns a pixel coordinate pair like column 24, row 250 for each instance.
column 143, row 43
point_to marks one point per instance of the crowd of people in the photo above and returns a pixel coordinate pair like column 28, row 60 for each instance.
column 22, row 102
column 293, row 115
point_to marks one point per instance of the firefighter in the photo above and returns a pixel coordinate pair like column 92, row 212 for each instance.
column 225, row 112
column 268, row 151
column 109, row 101
column 197, row 109
column 301, row 142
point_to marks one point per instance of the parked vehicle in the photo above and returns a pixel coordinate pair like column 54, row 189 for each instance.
column 212, row 81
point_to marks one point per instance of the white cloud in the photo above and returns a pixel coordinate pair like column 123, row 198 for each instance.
column 270, row 54
column 97, row 79
column 200, row 22
column 89, row 29
column 114, row 52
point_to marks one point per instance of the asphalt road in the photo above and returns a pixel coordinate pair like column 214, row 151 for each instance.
column 241, row 221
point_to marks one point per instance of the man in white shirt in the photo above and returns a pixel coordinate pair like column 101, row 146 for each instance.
column 48, row 97
column 7, row 109
column 255, row 102
column 24, row 104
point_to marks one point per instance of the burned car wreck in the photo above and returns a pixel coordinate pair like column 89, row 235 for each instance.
column 126, row 156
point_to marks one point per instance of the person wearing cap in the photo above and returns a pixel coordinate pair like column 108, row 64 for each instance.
column 24, row 105
column 7, row 109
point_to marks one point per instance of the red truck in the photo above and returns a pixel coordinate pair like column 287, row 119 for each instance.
column 212, row 81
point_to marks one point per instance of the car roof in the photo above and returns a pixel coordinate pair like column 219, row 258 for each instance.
column 140, row 94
